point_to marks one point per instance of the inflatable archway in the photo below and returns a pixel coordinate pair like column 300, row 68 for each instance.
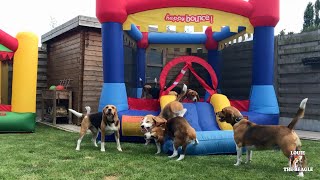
column 188, row 60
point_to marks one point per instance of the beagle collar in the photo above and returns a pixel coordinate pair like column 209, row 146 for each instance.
column 238, row 119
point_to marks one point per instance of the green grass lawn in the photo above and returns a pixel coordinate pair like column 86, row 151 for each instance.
column 50, row 154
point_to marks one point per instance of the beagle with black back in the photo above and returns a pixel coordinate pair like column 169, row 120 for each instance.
column 110, row 124
column 106, row 121
column 252, row 136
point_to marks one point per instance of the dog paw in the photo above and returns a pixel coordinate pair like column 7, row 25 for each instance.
column 180, row 157
column 119, row 149
column 300, row 174
column 77, row 149
column 237, row 164
column 157, row 153
column 173, row 155
column 248, row 162
column 103, row 150
column 146, row 143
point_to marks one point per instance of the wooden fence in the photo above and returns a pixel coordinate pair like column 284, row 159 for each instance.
column 293, row 80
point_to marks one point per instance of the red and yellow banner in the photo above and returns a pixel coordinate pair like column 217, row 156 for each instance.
column 187, row 16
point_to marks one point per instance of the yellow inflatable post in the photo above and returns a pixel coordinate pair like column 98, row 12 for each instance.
column 166, row 99
column 24, row 82
column 219, row 102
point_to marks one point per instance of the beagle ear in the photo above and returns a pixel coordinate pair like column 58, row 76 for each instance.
column 158, row 121
column 104, row 117
column 198, row 97
column 115, row 116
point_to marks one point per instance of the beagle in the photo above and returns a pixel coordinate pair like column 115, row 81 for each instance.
column 106, row 121
column 192, row 95
column 171, row 110
column 182, row 134
column 253, row 136
column 146, row 92
column 176, row 128
column 158, row 134
column 148, row 123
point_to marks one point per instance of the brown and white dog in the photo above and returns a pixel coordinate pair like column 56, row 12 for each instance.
column 253, row 136
column 146, row 92
column 171, row 110
column 106, row 121
column 192, row 95
column 179, row 130
column 157, row 134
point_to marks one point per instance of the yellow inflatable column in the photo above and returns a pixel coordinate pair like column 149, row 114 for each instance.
column 25, row 65
column 219, row 102
column 164, row 100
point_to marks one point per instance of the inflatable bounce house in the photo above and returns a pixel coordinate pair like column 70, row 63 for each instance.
column 226, row 22
column 20, row 115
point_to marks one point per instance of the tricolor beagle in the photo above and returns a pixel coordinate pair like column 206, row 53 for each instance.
column 253, row 136
column 171, row 110
column 179, row 130
column 106, row 121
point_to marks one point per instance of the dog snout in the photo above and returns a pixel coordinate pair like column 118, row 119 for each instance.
column 142, row 126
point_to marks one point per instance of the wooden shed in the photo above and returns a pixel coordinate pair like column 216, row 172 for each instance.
column 74, row 51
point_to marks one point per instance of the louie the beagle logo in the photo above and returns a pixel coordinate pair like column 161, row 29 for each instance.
column 296, row 162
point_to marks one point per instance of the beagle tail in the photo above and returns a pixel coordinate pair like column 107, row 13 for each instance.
column 183, row 93
column 181, row 112
column 79, row 115
column 299, row 114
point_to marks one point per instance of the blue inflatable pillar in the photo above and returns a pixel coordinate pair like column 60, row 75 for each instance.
column 142, row 45
column 141, row 70
column 214, row 58
column 263, row 98
column 114, row 89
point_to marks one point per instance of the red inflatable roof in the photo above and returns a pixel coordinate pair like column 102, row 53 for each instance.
column 260, row 12
column 8, row 41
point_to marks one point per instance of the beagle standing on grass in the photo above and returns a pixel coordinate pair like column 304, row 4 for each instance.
column 179, row 130
column 106, row 121
column 260, row 137
column 171, row 110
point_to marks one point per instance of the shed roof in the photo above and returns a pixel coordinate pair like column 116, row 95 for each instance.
column 84, row 21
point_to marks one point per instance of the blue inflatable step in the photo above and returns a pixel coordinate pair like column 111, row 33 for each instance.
column 210, row 142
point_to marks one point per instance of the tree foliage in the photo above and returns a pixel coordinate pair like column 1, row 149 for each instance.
column 308, row 16
column 316, row 11
column 311, row 17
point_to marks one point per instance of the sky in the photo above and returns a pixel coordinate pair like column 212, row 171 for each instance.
column 37, row 16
